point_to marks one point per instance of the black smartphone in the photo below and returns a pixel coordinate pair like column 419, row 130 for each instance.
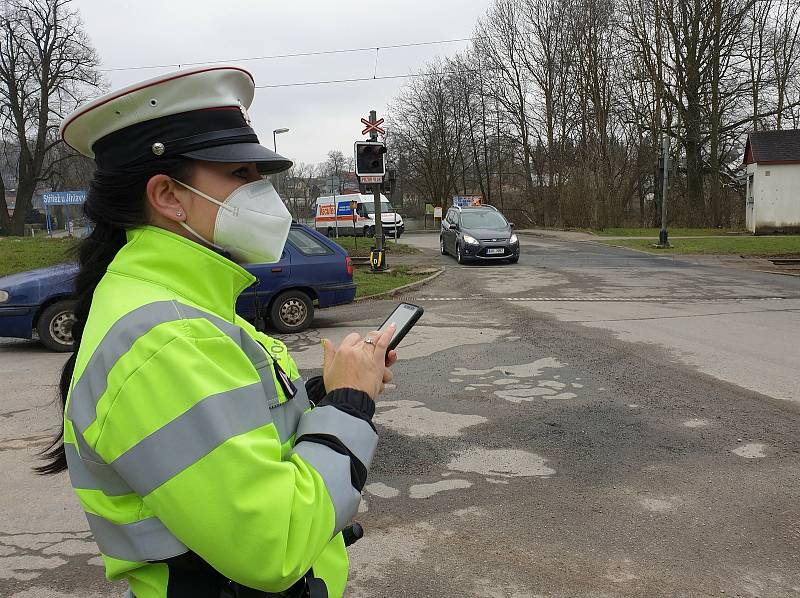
column 404, row 317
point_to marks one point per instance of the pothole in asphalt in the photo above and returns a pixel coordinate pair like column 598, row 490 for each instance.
column 525, row 370
column 399, row 454
column 696, row 423
column 381, row 490
column 656, row 505
column 750, row 451
column 516, row 383
column 428, row 490
column 413, row 419
column 501, row 463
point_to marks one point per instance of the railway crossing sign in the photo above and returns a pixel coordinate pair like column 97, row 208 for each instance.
column 373, row 127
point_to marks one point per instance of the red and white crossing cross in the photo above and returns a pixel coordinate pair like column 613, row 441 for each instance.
column 373, row 126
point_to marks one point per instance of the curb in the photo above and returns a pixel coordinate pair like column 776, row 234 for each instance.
column 406, row 287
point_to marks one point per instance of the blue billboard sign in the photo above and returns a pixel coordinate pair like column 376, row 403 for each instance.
column 63, row 198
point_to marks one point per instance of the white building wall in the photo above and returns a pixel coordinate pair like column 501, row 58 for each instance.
column 776, row 198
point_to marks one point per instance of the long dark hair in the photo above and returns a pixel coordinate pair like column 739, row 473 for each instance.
column 115, row 203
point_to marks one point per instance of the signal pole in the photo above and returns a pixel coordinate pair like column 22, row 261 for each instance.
column 373, row 136
column 371, row 170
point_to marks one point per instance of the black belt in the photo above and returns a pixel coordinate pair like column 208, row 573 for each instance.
column 308, row 587
column 192, row 577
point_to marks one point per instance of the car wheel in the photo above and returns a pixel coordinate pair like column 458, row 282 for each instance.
column 371, row 231
column 366, row 231
column 55, row 326
column 329, row 232
column 514, row 260
column 291, row 311
column 442, row 250
column 460, row 256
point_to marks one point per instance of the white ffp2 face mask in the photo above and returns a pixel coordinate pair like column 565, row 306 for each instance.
column 252, row 223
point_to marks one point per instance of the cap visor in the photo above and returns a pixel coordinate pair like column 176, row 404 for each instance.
column 267, row 161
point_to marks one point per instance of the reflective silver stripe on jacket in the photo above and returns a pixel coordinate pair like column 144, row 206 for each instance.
column 286, row 415
column 178, row 444
column 356, row 434
column 93, row 475
column 145, row 540
column 335, row 471
column 192, row 435
column 120, row 339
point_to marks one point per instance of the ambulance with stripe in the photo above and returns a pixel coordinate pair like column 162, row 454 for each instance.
column 334, row 216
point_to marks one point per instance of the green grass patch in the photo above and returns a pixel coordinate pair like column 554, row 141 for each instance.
column 359, row 246
column 371, row 284
column 673, row 232
column 754, row 246
column 18, row 254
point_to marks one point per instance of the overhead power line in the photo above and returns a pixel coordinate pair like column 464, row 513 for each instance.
column 381, row 77
column 292, row 55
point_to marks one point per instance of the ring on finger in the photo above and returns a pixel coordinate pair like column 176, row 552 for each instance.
column 369, row 341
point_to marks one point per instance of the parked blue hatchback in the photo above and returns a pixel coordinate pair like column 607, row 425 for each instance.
column 312, row 270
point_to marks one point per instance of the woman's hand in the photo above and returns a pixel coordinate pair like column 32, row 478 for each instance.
column 359, row 365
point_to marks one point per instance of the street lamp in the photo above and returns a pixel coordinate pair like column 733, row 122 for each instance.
column 274, row 133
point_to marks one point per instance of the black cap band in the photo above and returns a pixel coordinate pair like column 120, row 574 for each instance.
column 174, row 135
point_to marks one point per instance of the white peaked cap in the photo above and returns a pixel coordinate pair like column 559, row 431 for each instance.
column 199, row 113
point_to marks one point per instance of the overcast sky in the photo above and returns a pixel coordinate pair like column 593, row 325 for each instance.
column 320, row 117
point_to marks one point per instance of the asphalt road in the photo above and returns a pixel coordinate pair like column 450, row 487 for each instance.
column 589, row 422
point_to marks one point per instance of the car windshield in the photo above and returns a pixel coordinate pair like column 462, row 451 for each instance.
column 489, row 219
column 385, row 207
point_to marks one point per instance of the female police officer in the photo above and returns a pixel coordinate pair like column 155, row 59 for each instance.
column 189, row 438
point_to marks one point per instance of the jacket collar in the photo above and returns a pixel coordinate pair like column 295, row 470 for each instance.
column 192, row 271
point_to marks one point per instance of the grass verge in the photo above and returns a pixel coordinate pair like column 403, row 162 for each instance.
column 18, row 254
column 752, row 246
column 653, row 232
column 371, row 284
column 359, row 246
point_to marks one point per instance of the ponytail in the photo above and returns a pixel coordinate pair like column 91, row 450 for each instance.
column 114, row 204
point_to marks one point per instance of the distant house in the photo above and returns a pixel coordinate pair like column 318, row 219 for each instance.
column 772, row 159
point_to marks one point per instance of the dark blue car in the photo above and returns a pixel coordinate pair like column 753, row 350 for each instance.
column 312, row 270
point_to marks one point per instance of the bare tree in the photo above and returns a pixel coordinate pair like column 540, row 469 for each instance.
column 498, row 43
column 424, row 131
column 47, row 67
column 785, row 54
column 560, row 107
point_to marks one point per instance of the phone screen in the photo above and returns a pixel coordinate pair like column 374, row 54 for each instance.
column 400, row 318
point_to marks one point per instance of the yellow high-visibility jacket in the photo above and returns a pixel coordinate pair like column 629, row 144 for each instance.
column 192, row 460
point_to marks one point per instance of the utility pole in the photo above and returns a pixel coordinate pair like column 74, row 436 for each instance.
column 663, row 239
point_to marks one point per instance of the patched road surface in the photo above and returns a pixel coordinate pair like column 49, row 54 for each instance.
column 590, row 422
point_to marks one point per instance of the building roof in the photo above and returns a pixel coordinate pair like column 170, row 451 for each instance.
column 773, row 147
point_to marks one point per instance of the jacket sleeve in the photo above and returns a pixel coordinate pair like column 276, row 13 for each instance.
column 315, row 388
column 217, row 480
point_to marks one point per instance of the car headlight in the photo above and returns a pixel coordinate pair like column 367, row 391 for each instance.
column 470, row 240
column 514, row 240
column 3, row 296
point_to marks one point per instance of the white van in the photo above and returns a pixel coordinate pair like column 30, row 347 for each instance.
column 334, row 219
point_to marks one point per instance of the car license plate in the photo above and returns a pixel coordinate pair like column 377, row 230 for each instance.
column 495, row 250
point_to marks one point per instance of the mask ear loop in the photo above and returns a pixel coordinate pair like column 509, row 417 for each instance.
column 189, row 228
